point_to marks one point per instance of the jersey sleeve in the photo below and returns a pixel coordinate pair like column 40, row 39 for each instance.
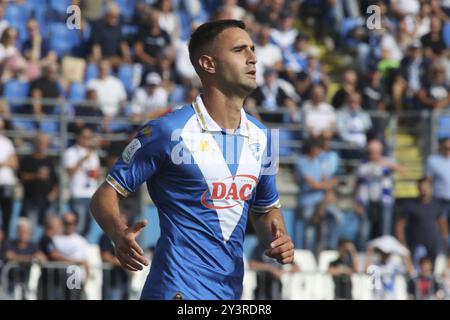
column 266, row 197
column 141, row 159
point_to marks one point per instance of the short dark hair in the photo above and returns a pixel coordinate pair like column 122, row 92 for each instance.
column 422, row 180
column 206, row 33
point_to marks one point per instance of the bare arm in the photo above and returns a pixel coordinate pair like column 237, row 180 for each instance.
column 11, row 162
column 142, row 55
column 105, row 209
column 400, row 230
column 443, row 228
column 271, row 231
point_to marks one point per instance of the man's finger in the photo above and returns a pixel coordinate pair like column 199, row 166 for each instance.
column 126, row 265
column 280, row 249
column 130, row 261
column 139, row 257
column 280, row 241
column 139, row 225
column 135, row 246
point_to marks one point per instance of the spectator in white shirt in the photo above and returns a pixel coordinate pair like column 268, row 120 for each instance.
column 268, row 55
column 83, row 167
column 353, row 122
column 71, row 247
column 150, row 101
column 8, row 166
column 110, row 90
column 284, row 36
column 320, row 117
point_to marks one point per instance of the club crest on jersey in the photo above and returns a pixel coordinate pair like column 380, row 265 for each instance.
column 130, row 150
column 255, row 148
column 230, row 192
column 146, row 132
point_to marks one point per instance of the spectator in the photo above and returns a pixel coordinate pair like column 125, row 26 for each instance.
column 384, row 269
column 319, row 116
column 268, row 274
column 36, row 49
column 313, row 75
column 107, row 40
column 374, row 193
column 51, row 280
column 90, row 109
column 2, row 252
column 348, row 84
column 422, row 226
column 82, row 165
column 312, row 176
column 151, row 43
column 268, row 55
column 284, row 36
column 40, row 183
column 437, row 169
column 424, row 286
column 151, row 101
column 269, row 12
column 168, row 20
column 434, row 94
column 116, row 280
column 408, row 80
column 353, row 123
column 373, row 100
column 446, row 280
column 110, row 90
column 441, row 9
column 24, row 252
column 72, row 248
column 12, row 63
column 296, row 59
column 342, row 268
column 271, row 96
column 47, row 87
column 8, row 166
column 433, row 42
column 231, row 6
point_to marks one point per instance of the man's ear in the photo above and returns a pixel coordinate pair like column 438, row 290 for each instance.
column 207, row 64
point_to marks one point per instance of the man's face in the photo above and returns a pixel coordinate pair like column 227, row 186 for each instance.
column 446, row 147
column 23, row 233
column 234, row 60
column 424, row 188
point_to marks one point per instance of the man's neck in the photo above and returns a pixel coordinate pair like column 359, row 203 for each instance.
column 224, row 110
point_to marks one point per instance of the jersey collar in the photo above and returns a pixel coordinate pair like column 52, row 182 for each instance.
column 207, row 123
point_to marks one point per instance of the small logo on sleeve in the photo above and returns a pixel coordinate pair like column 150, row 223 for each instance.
column 130, row 150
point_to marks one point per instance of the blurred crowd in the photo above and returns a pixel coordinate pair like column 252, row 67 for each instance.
column 128, row 59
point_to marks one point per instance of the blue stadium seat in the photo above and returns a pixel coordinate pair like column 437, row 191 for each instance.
column 16, row 15
column 443, row 130
column 49, row 126
column 446, row 34
column 126, row 8
column 15, row 89
column 77, row 91
column 62, row 39
column 91, row 72
column 60, row 6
